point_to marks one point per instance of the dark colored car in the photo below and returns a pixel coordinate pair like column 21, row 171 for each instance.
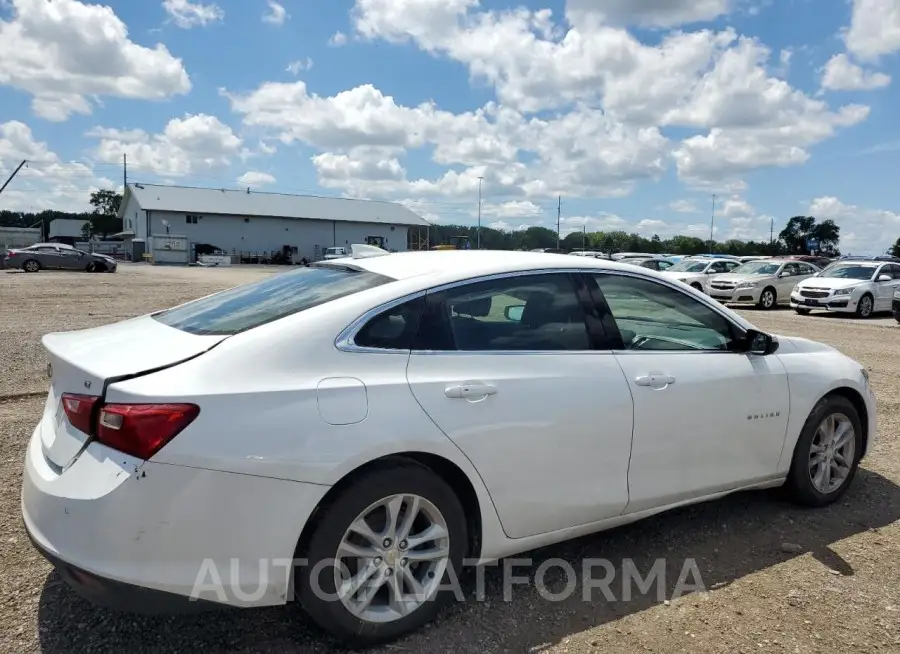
column 57, row 256
column 895, row 307
column 821, row 262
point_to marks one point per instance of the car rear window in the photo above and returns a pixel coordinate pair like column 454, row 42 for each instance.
column 245, row 307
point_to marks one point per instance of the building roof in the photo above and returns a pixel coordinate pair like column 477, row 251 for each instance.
column 227, row 202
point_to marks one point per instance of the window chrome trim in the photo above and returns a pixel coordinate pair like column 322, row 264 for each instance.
column 345, row 341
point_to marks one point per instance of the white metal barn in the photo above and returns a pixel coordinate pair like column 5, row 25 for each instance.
column 170, row 221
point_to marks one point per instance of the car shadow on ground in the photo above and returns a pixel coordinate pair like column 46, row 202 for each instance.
column 726, row 540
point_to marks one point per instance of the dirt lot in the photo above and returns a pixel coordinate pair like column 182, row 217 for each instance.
column 778, row 579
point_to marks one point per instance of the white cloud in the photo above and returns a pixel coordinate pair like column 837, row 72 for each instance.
column 66, row 54
column 645, row 13
column 863, row 230
column 255, row 178
column 511, row 209
column 295, row 67
column 841, row 74
column 337, row 39
column 185, row 146
column 276, row 15
column 582, row 153
column 705, row 80
column 683, row 206
column 46, row 182
column 874, row 28
column 187, row 14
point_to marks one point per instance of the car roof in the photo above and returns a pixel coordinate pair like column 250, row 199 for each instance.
column 445, row 266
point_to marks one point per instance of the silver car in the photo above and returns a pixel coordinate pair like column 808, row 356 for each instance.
column 58, row 256
column 763, row 283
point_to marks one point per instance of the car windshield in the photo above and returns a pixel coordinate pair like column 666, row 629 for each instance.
column 252, row 305
column 689, row 266
column 757, row 268
column 849, row 271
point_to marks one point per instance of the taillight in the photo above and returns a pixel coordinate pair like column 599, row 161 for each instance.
column 141, row 430
column 80, row 410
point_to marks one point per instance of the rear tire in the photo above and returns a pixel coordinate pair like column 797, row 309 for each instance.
column 31, row 266
column 806, row 482
column 865, row 307
column 435, row 502
column 768, row 298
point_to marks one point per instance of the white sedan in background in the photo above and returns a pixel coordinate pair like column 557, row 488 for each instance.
column 763, row 283
column 696, row 272
column 860, row 287
column 400, row 413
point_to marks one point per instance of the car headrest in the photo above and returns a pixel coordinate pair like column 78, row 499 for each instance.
column 475, row 308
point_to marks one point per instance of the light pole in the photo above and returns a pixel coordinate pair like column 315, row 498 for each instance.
column 478, row 231
column 712, row 222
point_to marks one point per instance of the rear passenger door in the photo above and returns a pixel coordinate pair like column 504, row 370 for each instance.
column 512, row 370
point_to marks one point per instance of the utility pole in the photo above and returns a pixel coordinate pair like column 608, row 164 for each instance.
column 124, row 172
column 771, row 231
column 558, row 212
column 478, row 232
column 14, row 173
column 583, row 237
column 712, row 222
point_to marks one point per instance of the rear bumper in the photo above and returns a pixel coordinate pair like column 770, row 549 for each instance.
column 120, row 596
column 118, row 529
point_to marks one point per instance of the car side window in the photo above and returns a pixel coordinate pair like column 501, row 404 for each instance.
column 663, row 265
column 521, row 313
column 653, row 316
column 731, row 265
column 718, row 267
column 806, row 269
column 793, row 269
column 394, row 329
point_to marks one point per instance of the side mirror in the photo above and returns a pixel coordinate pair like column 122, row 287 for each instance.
column 757, row 342
column 884, row 278
column 514, row 312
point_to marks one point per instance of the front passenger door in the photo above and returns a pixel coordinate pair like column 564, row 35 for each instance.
column 508, row 369
column 707, row 417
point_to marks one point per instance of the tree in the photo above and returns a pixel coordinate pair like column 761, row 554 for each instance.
column 104, row 220
column 895, row 251
column 800, row 228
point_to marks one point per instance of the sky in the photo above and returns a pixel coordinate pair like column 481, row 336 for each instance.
column 647, row 116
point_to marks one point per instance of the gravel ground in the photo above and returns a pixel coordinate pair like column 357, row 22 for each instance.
column 777, row 578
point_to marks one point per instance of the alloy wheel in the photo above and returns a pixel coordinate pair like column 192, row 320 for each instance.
column 865, row 306
column 832, row 453
column 392, row 558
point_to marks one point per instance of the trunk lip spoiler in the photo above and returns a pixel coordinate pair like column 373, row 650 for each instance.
column 101, row 401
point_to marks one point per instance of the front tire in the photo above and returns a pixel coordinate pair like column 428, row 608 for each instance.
column 827, row 454
column 399, row 534
column 865, row 307
column 767, row 298
column 803, row 312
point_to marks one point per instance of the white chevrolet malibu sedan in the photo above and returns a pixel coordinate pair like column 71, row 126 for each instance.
column 356, row 429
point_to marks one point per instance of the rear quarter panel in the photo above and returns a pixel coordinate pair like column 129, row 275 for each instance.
column 260, row 406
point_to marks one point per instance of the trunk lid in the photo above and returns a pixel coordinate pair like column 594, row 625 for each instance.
column 84, row 362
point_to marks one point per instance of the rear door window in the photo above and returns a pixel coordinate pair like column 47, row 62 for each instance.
column 244, row 307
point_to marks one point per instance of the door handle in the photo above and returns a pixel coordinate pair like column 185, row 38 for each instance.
column 655, row 380
column 470, row 391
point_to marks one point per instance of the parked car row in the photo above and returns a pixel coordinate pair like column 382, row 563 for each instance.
column 859, row 286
